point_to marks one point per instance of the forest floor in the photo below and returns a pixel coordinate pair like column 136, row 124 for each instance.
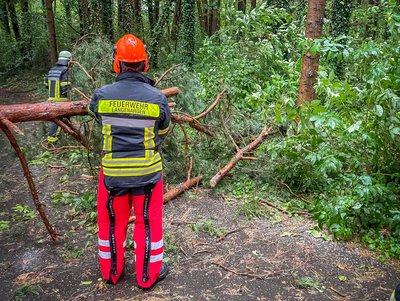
column 271, row 258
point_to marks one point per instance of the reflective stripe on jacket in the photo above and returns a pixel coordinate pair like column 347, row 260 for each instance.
column 58, row 83
column 134, row 116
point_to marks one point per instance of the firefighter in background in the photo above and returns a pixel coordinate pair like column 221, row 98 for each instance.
column 134, row 117
column 396, row 294
column 58, row 86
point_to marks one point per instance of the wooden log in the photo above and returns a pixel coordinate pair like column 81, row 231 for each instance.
column 174, row 192
column 239, row 155
column 48, row 111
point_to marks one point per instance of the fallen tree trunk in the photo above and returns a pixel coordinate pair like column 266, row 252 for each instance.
column 48, row 111
column 239, row 155
column 174, row 192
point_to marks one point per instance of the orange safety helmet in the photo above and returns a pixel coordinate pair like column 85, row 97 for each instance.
column 129, row 49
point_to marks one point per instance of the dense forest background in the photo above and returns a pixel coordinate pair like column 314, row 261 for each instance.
column 338, row 153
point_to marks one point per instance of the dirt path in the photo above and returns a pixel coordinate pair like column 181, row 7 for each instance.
column 274, row 258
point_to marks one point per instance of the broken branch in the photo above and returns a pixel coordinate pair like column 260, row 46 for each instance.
column 174, row 192
column 211, row 106
column 239, row 155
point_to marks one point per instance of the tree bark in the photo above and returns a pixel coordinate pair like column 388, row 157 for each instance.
column 176, row 22
column 4, row 18
column 85, row 16
column 188, row 31
column 253, row 3
column 158, row 31
column 241, row 5
column 174, row 192
column 137, row 18
column 214, row 17
column 150, row 12
column 238, row 156
column 52, row 31
column 205, row 15
column 107, row 19
column 49, row 111
column 26, row 27
column 15, row 26
column 310, row 62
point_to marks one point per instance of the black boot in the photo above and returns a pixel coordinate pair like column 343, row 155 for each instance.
column 163, row 273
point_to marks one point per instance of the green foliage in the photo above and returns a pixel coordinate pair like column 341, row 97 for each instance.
column 25, row 290
column 251, row 57
column 23, row 213
column 209, row 228
column 95, row 55
column 347, row 149
column 4, row 225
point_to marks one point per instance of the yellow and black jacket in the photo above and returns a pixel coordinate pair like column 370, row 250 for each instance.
column 134, row 117
column 57, row 81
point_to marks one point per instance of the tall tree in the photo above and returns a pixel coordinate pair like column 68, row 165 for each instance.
column 51, row 30
column 204, row 13
column 176, row 21
column 150, row 11
column 310, row 62
column 26, row 26
column 159, row 30
column 137, row 17
column 4, row 18
column 107, row 18
column 341, row 13
column 214, row 22
column 340, row 25
column 83, row 7
column 15, row 26
column 188, row 31
column 241, row 5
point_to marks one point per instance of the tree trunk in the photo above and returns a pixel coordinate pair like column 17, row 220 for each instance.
column 158, row 32
column 150, row 12
column 241, row 5
column 310, row 63
column 176, row 22
column 107, row 19
column 15, row 26
column 137, row 18
column 253, row 3
column 85, row 16
column 156, row 11
column 214, row 17
column 52, row 31
column 341, row 13
column 205, row 15
column 4, row 18
column 188, row 31
column 340, row 24
column 26, row 26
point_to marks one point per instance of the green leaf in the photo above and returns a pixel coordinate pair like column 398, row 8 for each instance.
column 342, row 278
column 86, row 282
column 378, row 110
column 354, row 127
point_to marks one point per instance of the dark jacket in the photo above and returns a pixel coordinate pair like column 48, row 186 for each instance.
column 134, row 117
column 57, row 81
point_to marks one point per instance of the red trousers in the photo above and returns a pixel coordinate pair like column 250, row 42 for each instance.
column 113, row 216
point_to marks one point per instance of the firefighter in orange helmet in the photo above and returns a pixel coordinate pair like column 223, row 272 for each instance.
column 134, row 117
